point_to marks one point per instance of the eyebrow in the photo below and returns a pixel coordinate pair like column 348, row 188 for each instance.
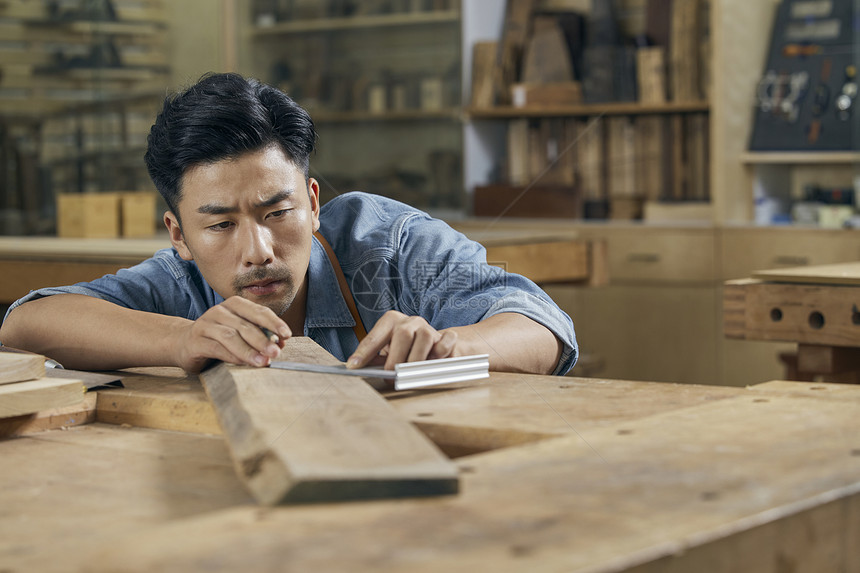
column 216, row 209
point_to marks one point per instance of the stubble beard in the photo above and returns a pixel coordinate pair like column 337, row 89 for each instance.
column 279, row 305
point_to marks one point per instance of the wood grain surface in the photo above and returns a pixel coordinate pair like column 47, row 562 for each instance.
column 37, row 395
column 18, row 367
column 729, row 485
column 310, row 437
column 837, row 274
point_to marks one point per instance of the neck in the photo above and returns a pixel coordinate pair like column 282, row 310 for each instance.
column 295, row 315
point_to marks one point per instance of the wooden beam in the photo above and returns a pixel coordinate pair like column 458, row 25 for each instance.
column 18, row 367
column 309, row 437
column 37, row 395
column 78, row 414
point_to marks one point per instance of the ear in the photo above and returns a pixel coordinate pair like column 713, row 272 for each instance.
column 314, row 194
column 176, row 236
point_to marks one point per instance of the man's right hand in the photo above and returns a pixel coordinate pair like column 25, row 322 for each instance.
column 230, row 332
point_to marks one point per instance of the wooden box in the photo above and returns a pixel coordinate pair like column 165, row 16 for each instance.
column 88, row 215
column 137, row 214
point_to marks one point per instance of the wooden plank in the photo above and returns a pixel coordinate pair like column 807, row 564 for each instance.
column 733, row 485
column 651, row 74
column 160, row 398
column 18, row 367
column 483, row 64
column 36, row 395
column 308, row 437
column 50, row 419
column 836, row 274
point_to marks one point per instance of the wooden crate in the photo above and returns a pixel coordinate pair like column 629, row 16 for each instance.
column 137, row 214
column 88, row 215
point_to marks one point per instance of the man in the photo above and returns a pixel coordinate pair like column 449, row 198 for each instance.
column 255, row 260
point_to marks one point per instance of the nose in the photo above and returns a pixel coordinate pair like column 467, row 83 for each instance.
column 257, row 246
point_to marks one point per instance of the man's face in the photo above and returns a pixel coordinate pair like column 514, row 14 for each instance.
column 247, row 223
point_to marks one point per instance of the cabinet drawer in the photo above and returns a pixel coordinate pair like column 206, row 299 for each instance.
column 662, row 255
column 744, row 251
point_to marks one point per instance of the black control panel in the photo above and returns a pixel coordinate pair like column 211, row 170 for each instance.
column 807, row 97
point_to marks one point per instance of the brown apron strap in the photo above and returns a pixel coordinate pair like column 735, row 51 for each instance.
column 360, row 332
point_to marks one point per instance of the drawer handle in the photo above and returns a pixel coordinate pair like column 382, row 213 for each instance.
column 643, row 258
column 790, row 261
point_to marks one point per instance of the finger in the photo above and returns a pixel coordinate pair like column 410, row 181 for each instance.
column 262, row 316
column 377, row 339
column 251, row 333
column 235, row 345
column 444, row 348
column 410, row 332
column 425, row 339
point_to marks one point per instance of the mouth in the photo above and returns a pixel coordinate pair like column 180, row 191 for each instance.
column 263, row 288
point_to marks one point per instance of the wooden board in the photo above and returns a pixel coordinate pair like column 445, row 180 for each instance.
column 307, row 437
column 483, row 64
column 733, row 485
column 18, row 367
column 837, row 274
column 64, row 417
column 162, row 398
column 36, row 395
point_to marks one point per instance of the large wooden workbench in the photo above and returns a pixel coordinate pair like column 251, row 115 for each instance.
column 557, row 474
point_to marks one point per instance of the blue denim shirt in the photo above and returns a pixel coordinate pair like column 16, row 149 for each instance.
column 393, row 257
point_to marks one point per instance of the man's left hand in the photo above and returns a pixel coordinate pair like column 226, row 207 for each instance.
column 403, row 338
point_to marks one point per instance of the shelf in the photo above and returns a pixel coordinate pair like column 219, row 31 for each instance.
column 631, row 108
column 802, row 157
column 358, row 22
column 321, row 116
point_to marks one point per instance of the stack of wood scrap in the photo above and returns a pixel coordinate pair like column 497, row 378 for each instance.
column 24, row 389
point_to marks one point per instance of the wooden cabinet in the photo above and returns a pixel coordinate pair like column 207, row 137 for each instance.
column 651, row 255
column 748, row 249
column 661, row 316
column 652, row 332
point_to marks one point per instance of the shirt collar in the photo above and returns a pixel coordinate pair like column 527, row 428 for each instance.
column 325, row 304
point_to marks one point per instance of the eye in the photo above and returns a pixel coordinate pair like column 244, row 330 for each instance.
column 278, row 213
column 223, row 226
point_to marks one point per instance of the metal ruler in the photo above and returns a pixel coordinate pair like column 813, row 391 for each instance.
column 408, row 375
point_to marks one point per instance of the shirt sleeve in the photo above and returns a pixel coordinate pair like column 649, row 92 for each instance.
column 449, row 283
column 163, row 284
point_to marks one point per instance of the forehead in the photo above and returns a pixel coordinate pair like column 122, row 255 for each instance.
column 249, row 175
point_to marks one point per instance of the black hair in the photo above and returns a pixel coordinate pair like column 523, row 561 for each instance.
column 221, row 117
